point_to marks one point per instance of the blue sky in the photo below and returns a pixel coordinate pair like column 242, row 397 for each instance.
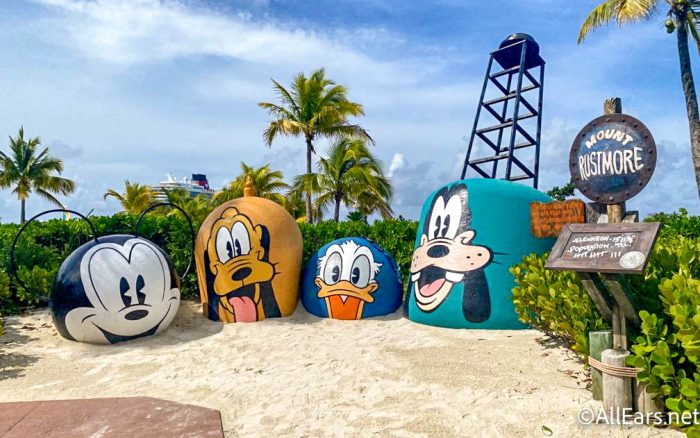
column 135, row 89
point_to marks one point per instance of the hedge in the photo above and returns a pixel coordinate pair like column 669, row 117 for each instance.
column 667, row 297
column 44, row 245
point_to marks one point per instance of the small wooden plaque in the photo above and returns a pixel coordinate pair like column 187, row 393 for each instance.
column 548, row 218
column 607, row 248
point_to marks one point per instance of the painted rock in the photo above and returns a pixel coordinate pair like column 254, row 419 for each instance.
column 113, row 289
column 248, row 256
column 351, row 278
column 470, row 233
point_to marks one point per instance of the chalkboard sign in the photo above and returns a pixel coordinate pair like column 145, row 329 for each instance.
column 548, row 218
column 612, row 158
column 607, row 248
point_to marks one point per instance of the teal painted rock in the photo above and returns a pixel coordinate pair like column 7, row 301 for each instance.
column 470, row 233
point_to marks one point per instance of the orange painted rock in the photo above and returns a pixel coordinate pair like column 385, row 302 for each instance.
column 248, row 255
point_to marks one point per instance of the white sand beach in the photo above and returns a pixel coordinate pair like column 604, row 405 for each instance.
column 304, row 376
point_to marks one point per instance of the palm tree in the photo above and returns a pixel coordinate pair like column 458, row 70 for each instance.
column 269, row 184
column 28, row 172
column 197, row 207
column 682, row 18
column 135, row 199
column 350, row 174
column 312, row 107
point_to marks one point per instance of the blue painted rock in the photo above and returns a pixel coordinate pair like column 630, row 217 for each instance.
column 113, row 289
column 470, row 233
column 351, row 278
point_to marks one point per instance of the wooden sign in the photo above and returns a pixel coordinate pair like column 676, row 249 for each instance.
column 612, row 158
column 607, row 248
column 548, row 218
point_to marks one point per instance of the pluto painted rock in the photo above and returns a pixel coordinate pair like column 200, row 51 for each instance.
column 248, row 256
column 351, row 278
column 114, row 288
column 470, row 233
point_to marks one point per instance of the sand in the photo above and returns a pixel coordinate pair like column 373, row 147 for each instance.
column 306, row 376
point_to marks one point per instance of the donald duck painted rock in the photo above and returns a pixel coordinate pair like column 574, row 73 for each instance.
column 351, row 278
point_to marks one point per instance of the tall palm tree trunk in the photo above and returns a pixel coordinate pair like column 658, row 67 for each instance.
column 691, row 98
column 338, row 199
column 309, row 151
column 23, row 211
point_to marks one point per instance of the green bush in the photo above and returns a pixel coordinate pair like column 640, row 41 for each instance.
column 555, row 302
column 677, row 224
column 44, row 245
column 668, row 348
column 667, row 345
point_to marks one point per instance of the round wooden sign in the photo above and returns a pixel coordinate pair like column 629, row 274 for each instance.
column 612, row 158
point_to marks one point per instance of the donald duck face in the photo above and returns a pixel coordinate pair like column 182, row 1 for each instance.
column 347, row 279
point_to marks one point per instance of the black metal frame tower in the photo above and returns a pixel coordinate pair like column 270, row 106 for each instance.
column 515, row 81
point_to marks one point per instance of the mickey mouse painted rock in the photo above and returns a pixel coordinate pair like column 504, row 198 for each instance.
column 470, row 233
column 113, row 289
column 351, row 278
column 248, row 256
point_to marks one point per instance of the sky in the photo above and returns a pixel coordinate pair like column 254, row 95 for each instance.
column 137, row 89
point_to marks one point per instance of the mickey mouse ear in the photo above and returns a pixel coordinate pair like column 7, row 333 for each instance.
column 189, row 222
column 13, row 264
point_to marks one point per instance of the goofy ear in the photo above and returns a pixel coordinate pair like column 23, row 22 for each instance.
column 264, row 235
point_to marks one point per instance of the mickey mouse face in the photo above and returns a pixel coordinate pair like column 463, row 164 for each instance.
column 129, row 286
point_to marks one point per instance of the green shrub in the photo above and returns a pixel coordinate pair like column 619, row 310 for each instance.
column 668, row 348
column 44, row 245
column 667, row 345
column 555, row 302
column 677, row 224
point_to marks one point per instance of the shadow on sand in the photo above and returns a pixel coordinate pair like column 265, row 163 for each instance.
column 15, row 334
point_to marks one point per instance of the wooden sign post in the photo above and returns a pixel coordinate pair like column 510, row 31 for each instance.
column 611, row 160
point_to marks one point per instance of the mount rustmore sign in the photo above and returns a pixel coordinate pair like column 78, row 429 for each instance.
column 612, row 158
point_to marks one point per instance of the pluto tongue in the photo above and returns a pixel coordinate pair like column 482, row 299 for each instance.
column 243, row 309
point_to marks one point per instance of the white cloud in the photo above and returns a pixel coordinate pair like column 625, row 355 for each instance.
column 146, row 31
column 397, row 162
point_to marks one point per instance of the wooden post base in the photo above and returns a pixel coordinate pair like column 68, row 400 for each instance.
column 645, row 402
column 598, row 342
column 617, row 391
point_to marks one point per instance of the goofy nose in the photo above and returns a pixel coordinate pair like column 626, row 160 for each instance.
column 241, row 274
column 438, row 251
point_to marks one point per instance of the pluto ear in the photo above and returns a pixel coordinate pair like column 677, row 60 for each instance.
column 212, row 298
column 230, row 212
column 261, row 231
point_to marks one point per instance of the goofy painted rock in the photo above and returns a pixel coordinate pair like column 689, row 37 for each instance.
column 351, row 278
column 470, row 233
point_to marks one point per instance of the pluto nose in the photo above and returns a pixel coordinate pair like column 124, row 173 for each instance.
column 241, row 274
column 438, row 251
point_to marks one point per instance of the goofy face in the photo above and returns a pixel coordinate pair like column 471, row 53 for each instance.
column 445, row 255
column 238, row 254
column 130, row 289
column 346, row 279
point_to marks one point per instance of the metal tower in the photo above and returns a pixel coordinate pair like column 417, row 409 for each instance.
column 511, row 122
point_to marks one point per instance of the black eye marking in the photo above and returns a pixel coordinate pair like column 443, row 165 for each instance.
column 237, row 243
column 140, row 284
column 438, row 223
column 123, row 289
column 446, row 225
column 335, row 275
column 229, row 250
column 355, row 275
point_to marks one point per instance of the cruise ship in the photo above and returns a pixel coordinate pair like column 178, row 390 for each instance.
column 197, row 185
